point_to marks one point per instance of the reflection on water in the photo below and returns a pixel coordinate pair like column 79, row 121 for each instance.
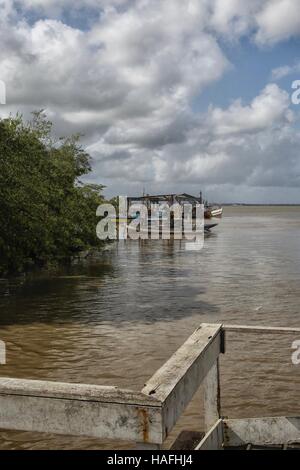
column 116, row 320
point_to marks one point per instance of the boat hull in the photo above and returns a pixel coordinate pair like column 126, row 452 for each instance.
column 213, row 212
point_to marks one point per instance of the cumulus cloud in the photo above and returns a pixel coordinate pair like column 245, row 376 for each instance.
column 285, row 70
column 141, row 66
column 234, row 18
column 269, row 108
column 129, row 79
column 56, row 7
column 278, row 20
column 268, row 21
column 251, row 145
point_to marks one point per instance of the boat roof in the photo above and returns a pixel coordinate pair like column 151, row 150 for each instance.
column 165, row 197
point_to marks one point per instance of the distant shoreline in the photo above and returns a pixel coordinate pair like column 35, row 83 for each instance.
column 233, row 204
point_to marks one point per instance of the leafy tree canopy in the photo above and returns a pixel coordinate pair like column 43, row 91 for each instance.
column 46, row 212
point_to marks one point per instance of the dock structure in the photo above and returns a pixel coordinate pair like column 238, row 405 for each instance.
column 167, row 198
column 182, row 199
column 147, row 417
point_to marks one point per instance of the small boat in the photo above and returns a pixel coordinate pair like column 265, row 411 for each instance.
column 169, row 199
column 206, row 230
column 213, row 211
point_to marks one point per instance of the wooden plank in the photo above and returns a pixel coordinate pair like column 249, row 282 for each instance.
column 176, row 382
column 79, row 410
column 212, row 404
column 213, row 440
column 261, row 431
column 260, row 329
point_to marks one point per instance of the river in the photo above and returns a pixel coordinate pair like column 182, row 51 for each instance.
column 116, row 320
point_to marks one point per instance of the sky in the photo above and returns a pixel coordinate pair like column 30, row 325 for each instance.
column 169, row 95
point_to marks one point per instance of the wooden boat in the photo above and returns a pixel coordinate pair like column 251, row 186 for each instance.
column 213, row 211
column 127, row 220
column 184, row 198
column 206, row 230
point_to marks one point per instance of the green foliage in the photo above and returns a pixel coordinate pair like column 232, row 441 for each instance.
column 46, row 213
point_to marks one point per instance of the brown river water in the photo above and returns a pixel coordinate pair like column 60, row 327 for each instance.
column 116, row 320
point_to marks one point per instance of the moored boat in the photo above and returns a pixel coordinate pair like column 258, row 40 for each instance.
column 213, row 211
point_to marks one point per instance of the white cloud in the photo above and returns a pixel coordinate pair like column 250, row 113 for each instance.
column 267, row 109
column 128, row 82
column 250, row 145
column 267, row 21
column 57, row 6
column 133, row 73
column 285, row 70
column 278, row 20
column 234, row 18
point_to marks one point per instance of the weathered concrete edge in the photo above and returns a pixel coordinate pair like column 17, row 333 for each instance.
column 73, row 391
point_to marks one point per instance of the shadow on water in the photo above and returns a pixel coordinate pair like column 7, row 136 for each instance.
column 134, row 282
